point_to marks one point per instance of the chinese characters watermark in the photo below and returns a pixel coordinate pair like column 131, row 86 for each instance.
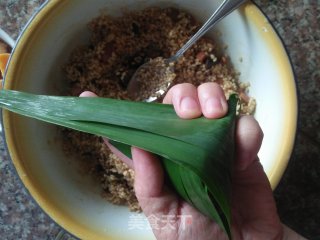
column 156, row 222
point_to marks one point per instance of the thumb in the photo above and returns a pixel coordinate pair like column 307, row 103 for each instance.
column 153, row 197
column 248, row 141
column 148, row 174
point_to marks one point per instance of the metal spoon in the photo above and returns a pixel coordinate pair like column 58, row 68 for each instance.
column 160, row 71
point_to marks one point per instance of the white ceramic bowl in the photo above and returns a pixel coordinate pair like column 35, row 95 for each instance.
column 73, row 200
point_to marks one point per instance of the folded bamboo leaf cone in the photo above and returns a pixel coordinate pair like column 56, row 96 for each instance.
column 197, row 154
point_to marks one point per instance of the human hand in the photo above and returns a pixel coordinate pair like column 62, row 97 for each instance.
column 254, row 214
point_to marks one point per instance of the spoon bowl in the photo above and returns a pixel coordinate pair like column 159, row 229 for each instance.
column 151, row 80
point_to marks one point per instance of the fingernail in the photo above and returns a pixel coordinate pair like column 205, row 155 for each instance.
column 188, row 104
column 215, row 106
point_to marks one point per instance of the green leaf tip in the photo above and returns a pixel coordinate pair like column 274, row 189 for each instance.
column 197, row 154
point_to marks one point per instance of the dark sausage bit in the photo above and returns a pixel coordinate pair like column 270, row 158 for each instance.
column 135, row 29
column 209, row 63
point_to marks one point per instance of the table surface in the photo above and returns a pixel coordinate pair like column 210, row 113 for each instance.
column 297, row 195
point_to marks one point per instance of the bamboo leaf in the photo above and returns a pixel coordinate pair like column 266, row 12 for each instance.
column 197, row 154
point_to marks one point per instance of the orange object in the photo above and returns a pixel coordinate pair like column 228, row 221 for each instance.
column 4, row 57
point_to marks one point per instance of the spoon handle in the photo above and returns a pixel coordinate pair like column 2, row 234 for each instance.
column 226, row 7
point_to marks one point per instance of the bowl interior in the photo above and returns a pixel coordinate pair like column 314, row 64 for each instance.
column 71, row 198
